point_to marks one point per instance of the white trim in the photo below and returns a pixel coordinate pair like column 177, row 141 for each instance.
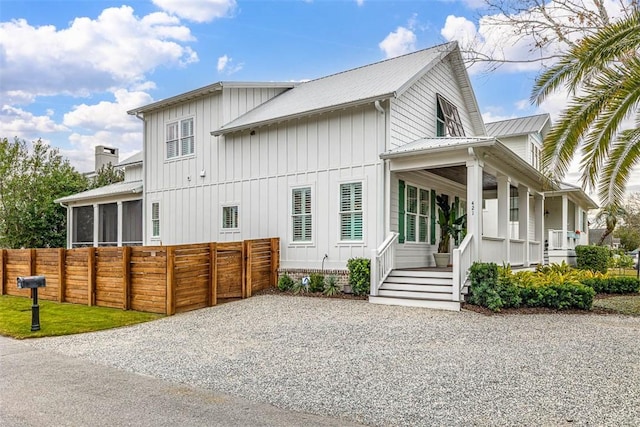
column 159, row 219
column 305, row 243
column 339, row 183
column 221, row 228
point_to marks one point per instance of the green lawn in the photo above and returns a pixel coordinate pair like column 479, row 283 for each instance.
column 623, row 304
column 62, row 319
column 623, row 272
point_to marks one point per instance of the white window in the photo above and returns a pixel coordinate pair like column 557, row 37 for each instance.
column 180, row 138
column 230, row 217
column 535, row 156
column 448, row 119
column 301, row 218
column 351, row 211
column 417, row 214
column 155, row 219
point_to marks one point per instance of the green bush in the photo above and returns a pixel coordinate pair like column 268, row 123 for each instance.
column 594, row 258
column 331, row 288
column 613, row 285
column 359, row 275
column 557, row 287
column 316, row 282
column 621, row 261
column 299, row 287
column 285, row 283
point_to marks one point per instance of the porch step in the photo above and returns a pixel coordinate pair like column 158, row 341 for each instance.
column 424, row 303
column 418, row 288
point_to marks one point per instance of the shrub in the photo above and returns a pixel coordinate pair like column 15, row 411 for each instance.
column 331, row 288
column 594, row 258
column 316, row 282
column 557, row 287
column 359, row 275
column 299, row 287
column 484, row 280
column 613, row 285
column 285, row 283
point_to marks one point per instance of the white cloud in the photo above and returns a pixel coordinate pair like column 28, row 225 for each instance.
column 398, row 42
column 360, row 2
column 114, row 50
column 25, row 125
column 225, row 64
column 110, row 116
column 198, row 10
column 222, row 63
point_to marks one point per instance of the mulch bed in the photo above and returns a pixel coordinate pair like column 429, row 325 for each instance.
column 536, row 310
column 275, row 291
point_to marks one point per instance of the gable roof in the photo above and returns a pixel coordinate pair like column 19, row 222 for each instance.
column 519, row 126
column 136, row 158
column 196, row 93
column 369, row 83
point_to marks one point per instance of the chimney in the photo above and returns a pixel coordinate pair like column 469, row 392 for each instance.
column 105, row 155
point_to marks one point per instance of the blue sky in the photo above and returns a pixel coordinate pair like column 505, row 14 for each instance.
column 71, row 69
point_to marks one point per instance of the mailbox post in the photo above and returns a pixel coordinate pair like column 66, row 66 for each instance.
column 33, row 283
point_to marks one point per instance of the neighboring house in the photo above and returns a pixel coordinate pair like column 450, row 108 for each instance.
column 595, row 234
column 565, row 207
column 344, row 166
column 110, row 215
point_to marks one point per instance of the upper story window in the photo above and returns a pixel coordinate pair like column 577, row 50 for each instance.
column 180, row 138
column 448, row 120
column 535, row 156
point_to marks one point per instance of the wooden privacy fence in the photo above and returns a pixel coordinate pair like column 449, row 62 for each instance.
column 158, row 279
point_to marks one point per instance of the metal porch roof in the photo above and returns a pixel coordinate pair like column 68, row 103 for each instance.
column 118, row 189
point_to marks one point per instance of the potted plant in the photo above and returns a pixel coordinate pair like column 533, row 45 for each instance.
column 451, row 225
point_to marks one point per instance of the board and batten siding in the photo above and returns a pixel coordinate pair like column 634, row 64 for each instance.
column 133, row 173
column 258, row 172
column 414, row 113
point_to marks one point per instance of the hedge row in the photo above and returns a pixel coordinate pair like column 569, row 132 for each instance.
column 613, row 285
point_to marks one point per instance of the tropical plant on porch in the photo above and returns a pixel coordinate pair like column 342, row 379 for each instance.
column 451, row 225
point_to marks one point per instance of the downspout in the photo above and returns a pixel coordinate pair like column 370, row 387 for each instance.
column 382, row 188
column 144, row 177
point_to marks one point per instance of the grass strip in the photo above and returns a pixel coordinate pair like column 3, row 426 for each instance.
column 62, row 318
column 623, row 304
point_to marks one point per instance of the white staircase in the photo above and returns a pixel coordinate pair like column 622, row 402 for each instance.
column 418, row 288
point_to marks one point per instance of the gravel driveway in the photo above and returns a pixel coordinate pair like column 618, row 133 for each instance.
column 390, row 365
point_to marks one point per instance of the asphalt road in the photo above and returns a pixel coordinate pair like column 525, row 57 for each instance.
column 43, row 388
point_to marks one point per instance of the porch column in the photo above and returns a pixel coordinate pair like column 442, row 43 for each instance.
column 539, row 224
column 119, row 224
column 565, row 220
column 523, row 221
column 96, row 225
column 504, row 223
column 69, row 227
column 474, row 206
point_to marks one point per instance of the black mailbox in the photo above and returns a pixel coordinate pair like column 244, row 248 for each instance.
column 33, row 283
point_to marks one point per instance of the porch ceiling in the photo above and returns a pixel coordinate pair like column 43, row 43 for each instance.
column 459, row 174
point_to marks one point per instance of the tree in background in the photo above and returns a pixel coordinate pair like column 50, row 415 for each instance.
column 32, row 178
column 609, row 216
column 629, row 230
column 107, row 175
column 546, row 28
column 602, row 75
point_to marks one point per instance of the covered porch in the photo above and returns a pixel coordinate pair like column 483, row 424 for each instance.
column 501, row 195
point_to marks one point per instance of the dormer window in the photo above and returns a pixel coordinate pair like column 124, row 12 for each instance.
column 449, row 123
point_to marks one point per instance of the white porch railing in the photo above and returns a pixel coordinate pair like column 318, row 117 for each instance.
column 382, row 262
column 493, row 249
column 534, row 252
column 462, row 260
column 555, row 240
column 516, row 252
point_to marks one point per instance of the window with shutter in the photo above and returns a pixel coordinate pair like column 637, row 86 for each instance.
column 155, row 219
column 229, row 217
column 301, row 214
column 351, row 227
column 180, row 138
column 416, row 214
